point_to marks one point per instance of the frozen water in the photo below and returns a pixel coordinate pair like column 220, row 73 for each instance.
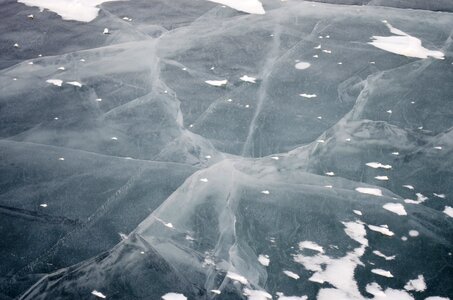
column 195, row 149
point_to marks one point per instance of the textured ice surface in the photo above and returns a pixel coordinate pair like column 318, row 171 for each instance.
column 207, row 150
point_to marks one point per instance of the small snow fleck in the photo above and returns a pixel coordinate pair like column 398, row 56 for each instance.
column 357, row 212
column 291, row 274
column 302, row 65
column 383, row 177
column 377, row 165
column 248, row 79
column 396, row 208
column 407, row 186
column 330, row 173
column 74, row 83
column 204, row 180
column 61, row 158
column 264, row 260
column 237, row 277
column 381, row 229
column 174, row 296
column 413, row 233
column 98, row 294
column 380, row 254
column 217, row 82
column 439, row 195
column 56, row 82
column 43, row 205
column 369, row 191
column 382, row 273
column 309, row 96
column 448, row 210
column 266, row 192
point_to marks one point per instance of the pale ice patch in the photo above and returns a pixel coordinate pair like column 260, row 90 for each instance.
column 204, row 180
column 448, row 210
column 408, row 186
column 248, row 79
column 437, row 298
column 217, row 82
column 357, row 212
column 78, row 10
column 302, row 65
column 174, row 296
column 264, row 260
column 43, row 205
column 218, row 292
column 291, row 274
column 369, row 191
column 404, row 44
column 417, row 285
column 248, row 6
column 265, row 192
column 396, row 208
column 56, row 82
column 382, row 273
column 377, row 165
column 383, row 177
column 98, row 294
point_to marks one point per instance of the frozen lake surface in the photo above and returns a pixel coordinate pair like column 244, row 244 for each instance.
column 226, row 149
